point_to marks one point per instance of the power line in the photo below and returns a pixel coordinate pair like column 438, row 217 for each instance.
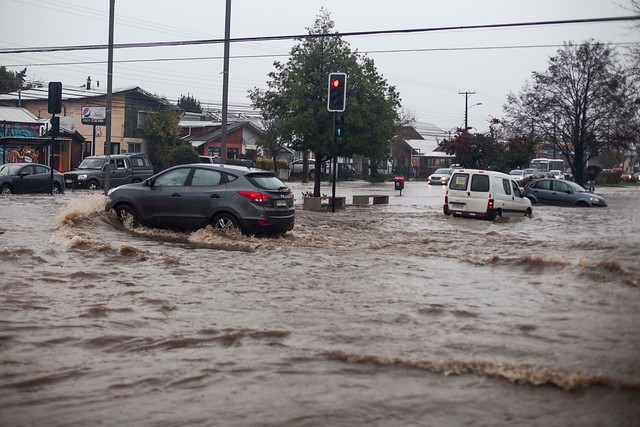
column 280, row 55
column 315, row 36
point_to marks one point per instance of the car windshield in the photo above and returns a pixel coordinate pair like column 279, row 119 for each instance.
column 267, row 181
column 8, row 170
column 92, row 163
column 577, row 188
column 442, row 171
column 516, row 172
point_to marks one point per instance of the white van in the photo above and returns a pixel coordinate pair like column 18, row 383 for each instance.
column 484, row 194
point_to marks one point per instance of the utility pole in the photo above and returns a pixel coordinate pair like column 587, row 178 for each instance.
column 107, row 144
column 466, row 108
column 225, row 84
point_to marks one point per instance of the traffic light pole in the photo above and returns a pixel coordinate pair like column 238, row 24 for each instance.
column 334, row 168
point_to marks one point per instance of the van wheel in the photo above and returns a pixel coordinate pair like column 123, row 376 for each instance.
column 528, row 213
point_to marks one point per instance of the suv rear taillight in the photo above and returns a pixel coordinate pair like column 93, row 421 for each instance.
column 254, row 196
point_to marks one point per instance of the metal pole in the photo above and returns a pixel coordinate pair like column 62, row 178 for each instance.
column 107, row 144
column 335, row 165
column 225, row 84
column 53, row 138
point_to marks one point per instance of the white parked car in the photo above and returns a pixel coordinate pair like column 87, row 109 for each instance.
column 557, row 174
column 484, row 194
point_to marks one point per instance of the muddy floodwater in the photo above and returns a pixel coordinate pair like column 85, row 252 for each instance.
column 385, row 315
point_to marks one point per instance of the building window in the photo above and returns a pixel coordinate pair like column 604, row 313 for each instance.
column 213, row 152
column 134, row 147
column 232, row 153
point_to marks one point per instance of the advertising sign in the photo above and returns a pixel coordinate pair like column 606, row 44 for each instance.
column 94, row 116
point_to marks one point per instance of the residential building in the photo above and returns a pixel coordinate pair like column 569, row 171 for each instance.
column 130, row 109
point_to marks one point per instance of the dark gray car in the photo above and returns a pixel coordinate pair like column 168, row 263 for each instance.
column 188, row 197
column 550, row 191
column 29, row 178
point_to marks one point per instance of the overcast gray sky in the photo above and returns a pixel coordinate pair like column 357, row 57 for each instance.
column 428, row 69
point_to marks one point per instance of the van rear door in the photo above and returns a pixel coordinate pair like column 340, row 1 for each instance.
column 469, row 193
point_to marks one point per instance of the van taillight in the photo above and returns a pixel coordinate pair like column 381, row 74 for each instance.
column 254, row 196
column 446, row 198
column 490, row 206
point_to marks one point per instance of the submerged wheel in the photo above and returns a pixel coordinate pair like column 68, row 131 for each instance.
column 93, row 185
column 582, row 204
column 6, row 189
column 225, row 223
column 126, row 215
column 528, row 213
column 56, row 189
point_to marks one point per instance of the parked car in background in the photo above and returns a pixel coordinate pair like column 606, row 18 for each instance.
column 552, row 191
column 557, row 174
column 125, row 169
column 29, row 178
column 440, row 176
column 189, row 197
column 518, row 176
column 484, row 194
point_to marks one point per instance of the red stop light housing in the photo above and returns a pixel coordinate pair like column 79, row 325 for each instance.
column 336, row 98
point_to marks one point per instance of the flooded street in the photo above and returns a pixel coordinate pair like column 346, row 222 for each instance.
column 386, row 315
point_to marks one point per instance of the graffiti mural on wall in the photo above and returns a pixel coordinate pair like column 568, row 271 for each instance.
column 17, row 130
column 22, row 155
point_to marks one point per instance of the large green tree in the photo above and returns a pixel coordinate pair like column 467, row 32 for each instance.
column 581, row 106
column 296, row 99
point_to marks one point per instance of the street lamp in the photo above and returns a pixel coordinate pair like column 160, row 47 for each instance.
column 466, row 115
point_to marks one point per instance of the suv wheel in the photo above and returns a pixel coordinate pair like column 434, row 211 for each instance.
column 6, row 189
column 225, row 223
column 93, row 185
column 126, row 215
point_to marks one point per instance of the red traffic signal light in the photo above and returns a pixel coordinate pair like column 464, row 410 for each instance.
column 336, row 98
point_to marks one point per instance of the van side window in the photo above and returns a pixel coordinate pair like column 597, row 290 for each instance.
column 506, row 183
column 516, row 189
column 459, row 181
column 480, row 183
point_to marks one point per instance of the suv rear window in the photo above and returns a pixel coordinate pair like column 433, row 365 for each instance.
column 480, row 183
column 266, row 181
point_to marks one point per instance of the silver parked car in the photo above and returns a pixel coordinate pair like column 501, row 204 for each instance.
column 440, row 176
column 552, row 191
column 188, row 197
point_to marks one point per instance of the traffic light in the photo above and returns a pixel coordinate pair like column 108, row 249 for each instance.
column 337, row 92
column 55, row 98
column 55, row 126
column 339, row 125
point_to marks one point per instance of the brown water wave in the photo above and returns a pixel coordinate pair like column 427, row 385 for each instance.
column 519, row 374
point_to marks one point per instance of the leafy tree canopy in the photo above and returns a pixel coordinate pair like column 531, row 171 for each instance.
column 584, row 104
column 190, row 104
column 11, row 81
column 166, row 148
column 296, row 98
